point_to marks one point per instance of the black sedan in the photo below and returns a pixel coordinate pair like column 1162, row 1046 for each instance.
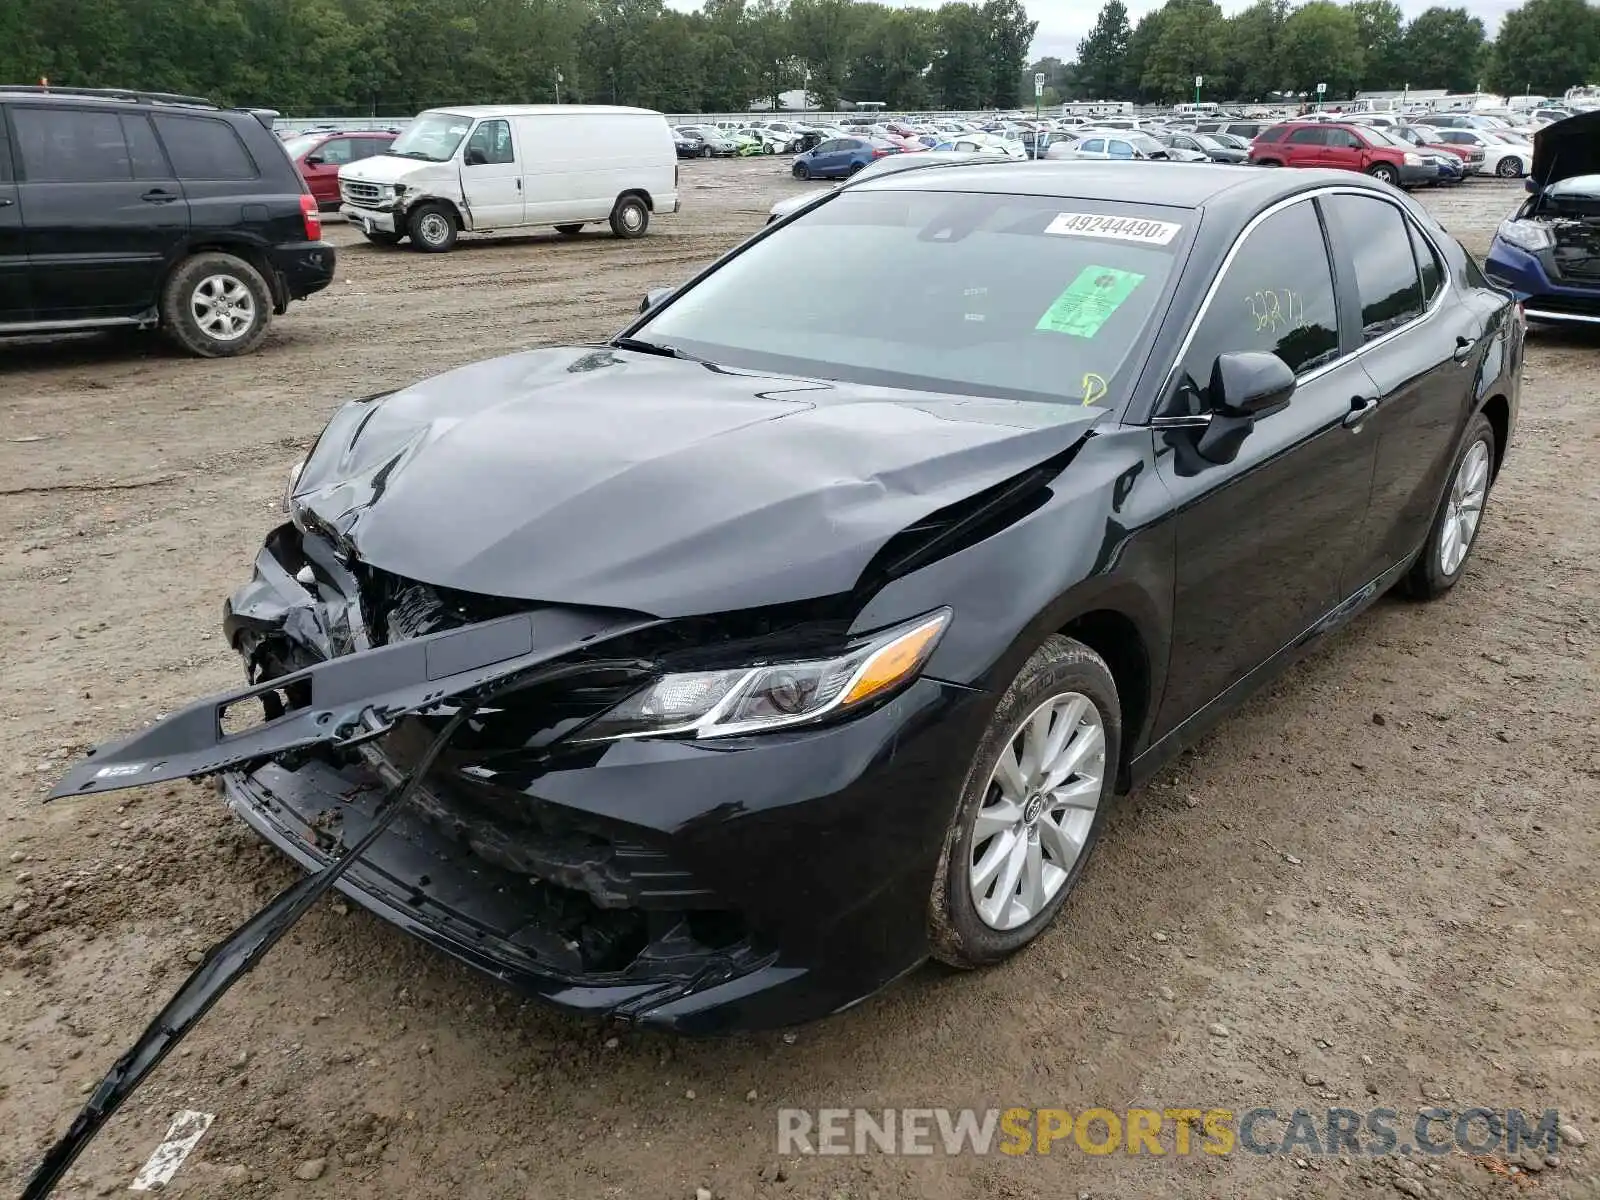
column 1213, row 148
column 731, row 668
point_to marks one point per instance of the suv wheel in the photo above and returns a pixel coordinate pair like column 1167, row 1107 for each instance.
column 1030, row 811
column 1384, row 173
column 630, row 218
column 216, row 306
column 433, row 228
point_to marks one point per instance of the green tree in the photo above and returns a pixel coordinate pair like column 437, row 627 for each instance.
column 1444, row 48
column 1189, row 43
column 960, row 74
column 1382, row 43
column 1103, row 55
column 1007, row 34
column 1322, row 44
column 1252, row 46
column 1141, row 44
column 1545, row 47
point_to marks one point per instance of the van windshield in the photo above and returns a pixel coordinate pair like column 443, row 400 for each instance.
column 431, row 138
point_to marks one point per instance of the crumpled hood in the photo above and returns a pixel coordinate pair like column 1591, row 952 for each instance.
column 1564, row 148
column 616, row 479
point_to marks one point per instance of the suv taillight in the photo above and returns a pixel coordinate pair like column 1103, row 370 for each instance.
column 312, row 218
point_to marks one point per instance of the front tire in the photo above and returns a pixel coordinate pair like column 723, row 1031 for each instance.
column 1384, row 173
column 705, row 151
column 1509, row 167
column 216, row 306
column 433, row 228
column 630, row 217
column 801, row 171
column 1458, row 518
column 1030, row 809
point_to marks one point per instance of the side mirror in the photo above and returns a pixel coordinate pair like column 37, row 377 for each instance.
column 1244, row 386
column 1249, row 384
column 314, row 160
column 654, row 298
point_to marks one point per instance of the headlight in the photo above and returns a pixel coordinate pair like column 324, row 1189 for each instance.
column 1525, row 235
column 707, row 704
column 387, row 192
column 1412, row 159
column 294, row 478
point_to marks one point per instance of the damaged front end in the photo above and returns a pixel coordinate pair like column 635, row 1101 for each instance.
column 1548, row 252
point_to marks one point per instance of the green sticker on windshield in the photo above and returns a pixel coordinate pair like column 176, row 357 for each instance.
column 1089, row 301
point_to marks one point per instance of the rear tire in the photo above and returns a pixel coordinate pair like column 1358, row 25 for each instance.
column 630, row 217
column 569, row 230
column 1384, row 173
column 216, row 306
column 705, row 151
column 433, row 229
column 1467, row 493
column 1509, row 167
column 1060, row 672
column 854, row 167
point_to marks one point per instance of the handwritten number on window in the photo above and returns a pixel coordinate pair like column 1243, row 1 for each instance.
column 1277, row 310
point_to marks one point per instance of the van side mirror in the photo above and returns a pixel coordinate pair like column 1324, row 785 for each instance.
column 654, row 298
column 1244, row 386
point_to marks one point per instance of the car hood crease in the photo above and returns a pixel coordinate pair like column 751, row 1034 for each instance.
column 606, row 478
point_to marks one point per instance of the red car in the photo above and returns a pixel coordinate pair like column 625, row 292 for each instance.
column 319, row 156
column 1351, row 147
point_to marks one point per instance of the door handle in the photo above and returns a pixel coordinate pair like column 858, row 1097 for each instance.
column 158, row 196
column 6, row 201
column 1464, row 348
column 1361, row 408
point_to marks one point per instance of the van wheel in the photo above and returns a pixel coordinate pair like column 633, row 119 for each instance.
column 382, row 237
column 433, row 228
column 569, row 230
column 216, row 306
column 630, row 218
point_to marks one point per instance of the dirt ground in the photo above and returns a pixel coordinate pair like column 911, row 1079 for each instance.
column 1378, row 879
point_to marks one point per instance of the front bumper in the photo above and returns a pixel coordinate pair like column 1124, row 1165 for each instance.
column 1411, row 176
column 369, row 220
column 304, row 267
column 701, row 887
column 1524, row 274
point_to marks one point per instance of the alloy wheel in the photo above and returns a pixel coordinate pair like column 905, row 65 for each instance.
column 1464, row 508
column 223, row 307
column 1038, row 807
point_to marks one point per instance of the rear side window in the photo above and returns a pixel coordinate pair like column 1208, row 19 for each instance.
column 1379, row 240
column 66, row 145
column 1308, row 137
column 1428, row 264
column 204, row 148
column 143, row 149
column 1276, row 296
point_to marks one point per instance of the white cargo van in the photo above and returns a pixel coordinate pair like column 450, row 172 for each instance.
column 509, row 166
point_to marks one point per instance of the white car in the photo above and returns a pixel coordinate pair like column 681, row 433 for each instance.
column 990, row 144
column 773, row 141
column 1503, row 156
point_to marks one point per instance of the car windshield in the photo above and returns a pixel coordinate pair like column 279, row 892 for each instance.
column 296, row 146
column 1209, row 143
column 432, row 138
column 1020, row 297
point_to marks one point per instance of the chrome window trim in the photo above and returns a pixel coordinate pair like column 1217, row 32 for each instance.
column 1233, row 252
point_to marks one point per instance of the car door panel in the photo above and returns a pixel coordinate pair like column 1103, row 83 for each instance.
column 1421, row 349
column 492, row 178
column 16, row 305
column 98, row 238
column 322, row 176
column 1264, row 541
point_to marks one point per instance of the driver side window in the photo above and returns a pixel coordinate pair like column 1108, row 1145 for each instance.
column 490, row 143
column 1276, row 296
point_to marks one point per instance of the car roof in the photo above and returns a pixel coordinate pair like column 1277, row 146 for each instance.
column 542, row 110
column 1181, row 185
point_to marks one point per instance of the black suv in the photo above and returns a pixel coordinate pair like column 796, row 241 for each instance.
column 146, row 209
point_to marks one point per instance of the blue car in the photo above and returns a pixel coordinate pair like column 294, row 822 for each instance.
column 838, row 157
column 1547, row 253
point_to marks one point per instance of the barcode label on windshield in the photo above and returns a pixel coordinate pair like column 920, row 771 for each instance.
column 1122, row 229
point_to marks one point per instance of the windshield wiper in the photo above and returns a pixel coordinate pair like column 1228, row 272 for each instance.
column 661, row 348
column 411, row 154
